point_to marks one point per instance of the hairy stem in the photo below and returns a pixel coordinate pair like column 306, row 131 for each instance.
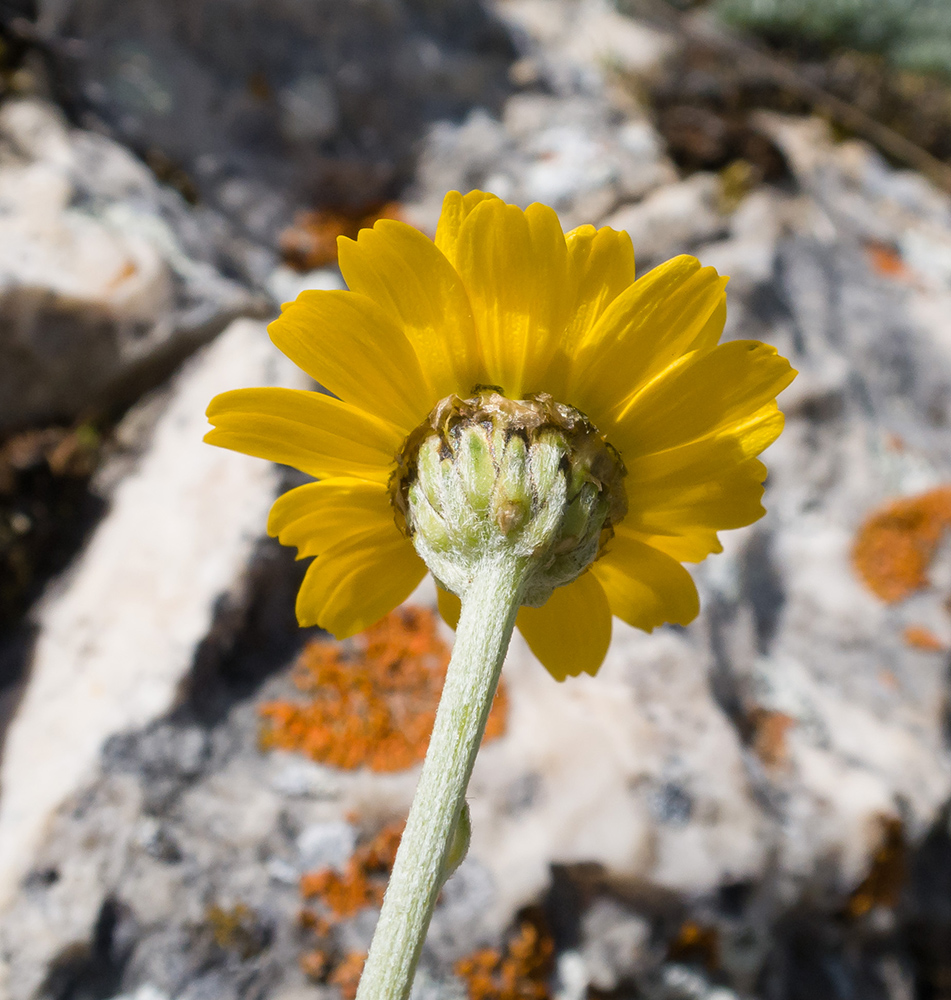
column 485, row 627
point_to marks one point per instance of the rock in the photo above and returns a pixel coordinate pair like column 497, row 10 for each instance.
column 571, row 976
column 757, row 802
column 576, row 41
column 145, row 992
column 458, row 925
column 285, row 284
column 106, row 281
column 117, row 635
column 748, row 772
column 289, row 106
column 615, row 778
column 615, row 944
column 679, row 982
column 568, row 139
column 578, row 154
column 326, row 845
column 674, row 219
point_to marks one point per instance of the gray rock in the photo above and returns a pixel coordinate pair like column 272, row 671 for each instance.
column 457, row 925
column 117, row 636
column 580, row 154
column 326, row 845
column 269, row 108
column 614, row 948
column 569, row 139
column 652, row 795
column 107, row 281
column 678, row 982
column 145, row 992
column 674, row 219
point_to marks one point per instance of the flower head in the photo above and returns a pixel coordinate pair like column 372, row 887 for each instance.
column 504, row 308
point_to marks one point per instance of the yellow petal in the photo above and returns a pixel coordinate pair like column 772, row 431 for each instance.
column 410, row 279
column 725, row 447
column 705, row 393
column 357, row 581
column 348, row 344
column 645, row 587
column 310, row 431
column 514, row 267
column 571, row 632
column 712, row 483
column 317, row 516
column 450, row 607
column 731, row 500
column 654, row 322
column 455, row 208
column 692, row 547
column 687, row 494
column 600, row 267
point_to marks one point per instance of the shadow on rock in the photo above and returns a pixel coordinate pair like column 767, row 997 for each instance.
column 263, row 108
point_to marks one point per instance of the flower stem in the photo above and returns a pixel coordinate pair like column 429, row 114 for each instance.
column 485, row 627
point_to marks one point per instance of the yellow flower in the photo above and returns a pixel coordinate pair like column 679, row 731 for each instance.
column 504, row 298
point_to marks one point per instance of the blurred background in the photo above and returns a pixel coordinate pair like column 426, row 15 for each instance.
column 200, row 801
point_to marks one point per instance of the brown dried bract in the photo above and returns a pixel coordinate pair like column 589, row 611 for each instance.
column 374, row 705
column 895, row 545
column 530, row 417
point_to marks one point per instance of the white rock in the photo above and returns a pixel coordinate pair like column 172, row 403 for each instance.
column 326, row 845
column 587, row 36
column 145, row 992
column 285, row 284
column 571, row 975
column 118, row 632
column 572, row 153
column 673, row 219
column 297, row 777
column 586, row 766
column 97, row 291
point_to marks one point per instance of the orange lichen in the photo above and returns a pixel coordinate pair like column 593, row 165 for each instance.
column 886, row 878
column 346, row 977
column 769, row 736
column 887, row 261
column 522, row 973
column 344, row 893
column 312, row 240
column 308, row 920
column 315, row 964
column 373, row 705
column 363, row 881
column 896, row 544
column 696, row 943
column 920, row 637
